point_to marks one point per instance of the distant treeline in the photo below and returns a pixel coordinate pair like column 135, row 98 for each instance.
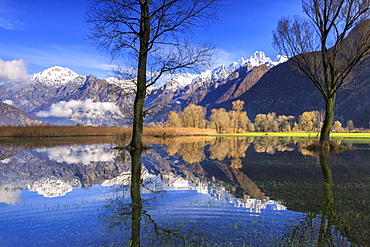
column 81, row 131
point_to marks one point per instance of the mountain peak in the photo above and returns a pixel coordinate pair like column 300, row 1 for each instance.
column 222, row 72
column 280, row 59
column 56, row 75
column 258, row 58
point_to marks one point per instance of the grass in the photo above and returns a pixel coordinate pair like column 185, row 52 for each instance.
column 302, row 134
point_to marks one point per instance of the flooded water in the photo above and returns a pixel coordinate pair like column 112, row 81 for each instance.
column 187, row 192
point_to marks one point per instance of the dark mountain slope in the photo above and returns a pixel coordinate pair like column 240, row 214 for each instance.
column 282, row 90
column 285, row 91
column 354, row 103
column 235, row 85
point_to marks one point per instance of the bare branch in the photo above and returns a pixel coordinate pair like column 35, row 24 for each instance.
column 327, row 46
column 153, row 32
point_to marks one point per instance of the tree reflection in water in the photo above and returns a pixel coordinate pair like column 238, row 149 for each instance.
column 125, row 213
column 323, row 226
column 136, row 203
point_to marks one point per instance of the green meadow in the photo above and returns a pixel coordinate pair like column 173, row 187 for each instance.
column 355, row 136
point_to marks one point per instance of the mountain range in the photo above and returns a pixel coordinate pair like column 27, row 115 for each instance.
column 60, row 96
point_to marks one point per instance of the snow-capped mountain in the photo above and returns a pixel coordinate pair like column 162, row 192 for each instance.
column 259, row 58
column 60, row 96
column 214, row 86
column 174, row 82
column 57, row 76
column 222, row 72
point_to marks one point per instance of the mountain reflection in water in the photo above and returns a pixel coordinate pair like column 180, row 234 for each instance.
column 214, row 191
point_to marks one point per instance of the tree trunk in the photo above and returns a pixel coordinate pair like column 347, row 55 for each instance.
column 137, row 132
column 328, row 122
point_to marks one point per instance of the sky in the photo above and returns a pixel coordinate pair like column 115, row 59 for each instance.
column 39, row 34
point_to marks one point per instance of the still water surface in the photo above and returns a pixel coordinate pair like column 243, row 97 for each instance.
column 214, row 192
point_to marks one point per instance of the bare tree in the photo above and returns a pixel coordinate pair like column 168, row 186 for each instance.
column 337, row 126
column 155, row 36
column 307, row 120
column 194, row 116
column 238, row 118
column 221, row 119
column 238, row 105
column 350, row 126
column 266, row 122
column 326, row 46
column 174, row 120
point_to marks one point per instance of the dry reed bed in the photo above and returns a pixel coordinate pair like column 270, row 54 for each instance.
column 60, row 131
column 56, row 141
column 79, row 131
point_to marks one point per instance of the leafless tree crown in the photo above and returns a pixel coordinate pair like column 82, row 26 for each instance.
column 328, row 43
column 115, row 26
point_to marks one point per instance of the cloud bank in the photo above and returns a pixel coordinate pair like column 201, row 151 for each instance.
column 79, row 108
column 81, row 154
column 13, row 71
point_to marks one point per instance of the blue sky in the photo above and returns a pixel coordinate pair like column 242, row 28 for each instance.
column 46, row 33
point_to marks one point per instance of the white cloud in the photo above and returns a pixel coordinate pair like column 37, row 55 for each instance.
column 10, row 194
column 81, row 59
column 15, row 70
column 84, row 154
column 79, row 108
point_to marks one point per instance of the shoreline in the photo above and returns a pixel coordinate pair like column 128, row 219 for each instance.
column 50, row 131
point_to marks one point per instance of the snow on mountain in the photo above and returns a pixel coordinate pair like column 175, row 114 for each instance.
column 127, row 85
column 53, row 186
column 258, row 58
column 57, row 76
column 62, row 96
column 174, row 82
column 222, row 72
column 280, row 59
